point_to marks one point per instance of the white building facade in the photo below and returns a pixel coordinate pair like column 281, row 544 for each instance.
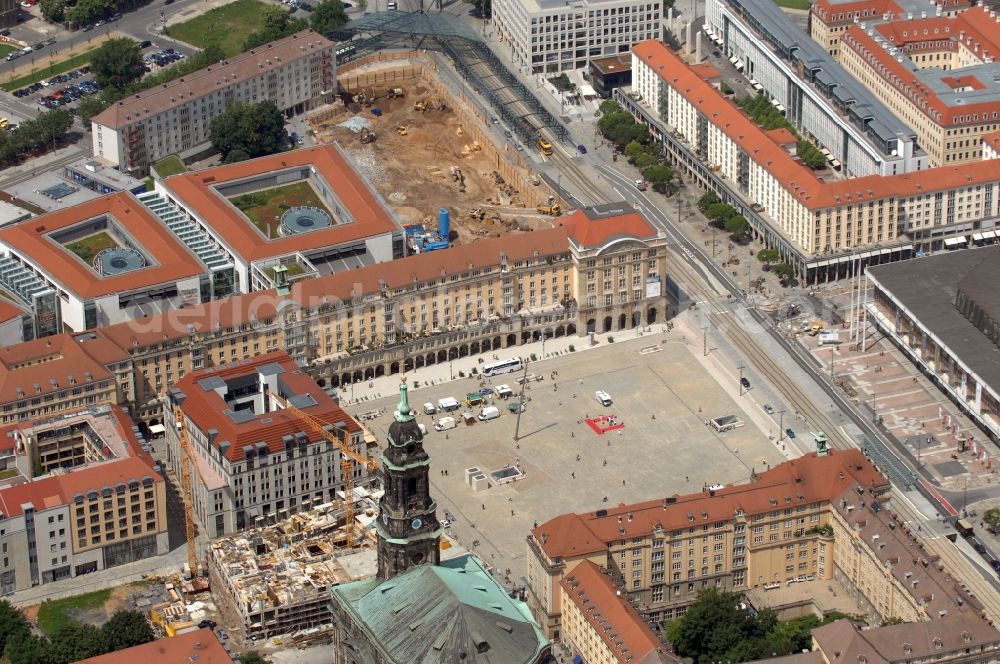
column 297, row 73
column 551, row 36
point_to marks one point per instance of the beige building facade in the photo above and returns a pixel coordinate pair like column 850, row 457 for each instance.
column 662, row 553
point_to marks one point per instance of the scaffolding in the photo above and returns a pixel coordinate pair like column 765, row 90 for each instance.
column 277, row 579
column 481, row 68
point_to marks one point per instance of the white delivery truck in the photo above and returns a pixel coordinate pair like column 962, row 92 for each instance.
column 429, row 408
column 445, row 423
column 448, row 404
column 603, row 398
column 489, row 413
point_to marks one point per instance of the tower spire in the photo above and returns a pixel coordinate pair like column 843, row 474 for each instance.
column 403, row 411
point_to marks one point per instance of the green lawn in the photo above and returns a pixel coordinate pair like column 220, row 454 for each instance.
column 294, row 270
column 264, row 208
column 5, row 49
column 227, row 26
column 47, row 72
column 57, row 613
column 168, row 166
column 793, row 4
column 91, row 245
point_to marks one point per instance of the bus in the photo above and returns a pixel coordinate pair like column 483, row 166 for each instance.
column 545, row 147
column 504, row 366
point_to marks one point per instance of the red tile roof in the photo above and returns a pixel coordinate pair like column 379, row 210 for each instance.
column 200, row 647
column 197, row 192
column 590, row 231
column 204, row 408
column 41, row 361
column 975, row 28
column 60, row 489
column 170, row 259
column 848, row 11
column 781, row 136
column 238, row 68
column 705, row 71
column 805, row 480
column 798, row 179
column 629, row 637
column 9, row 310
column 400, row 273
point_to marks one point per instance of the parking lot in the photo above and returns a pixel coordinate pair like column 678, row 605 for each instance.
column 663, row 398
column 64, row 90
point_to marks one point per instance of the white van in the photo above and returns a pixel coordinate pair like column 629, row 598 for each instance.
column 423, row 429
column 489, row 413
column 448, row 404
column 445, row 423
column 603, row 398
column 504, row 391
column 429, row 408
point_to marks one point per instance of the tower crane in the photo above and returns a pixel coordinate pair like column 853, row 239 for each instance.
column 349, row 457
column 186, row 492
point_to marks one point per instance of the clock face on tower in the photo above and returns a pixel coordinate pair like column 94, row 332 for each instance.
column 416, row 523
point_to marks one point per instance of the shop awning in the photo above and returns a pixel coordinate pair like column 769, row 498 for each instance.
column 157, row 429
column 952, row 241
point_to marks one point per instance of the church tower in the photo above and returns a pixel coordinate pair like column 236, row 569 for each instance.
column 407, row 527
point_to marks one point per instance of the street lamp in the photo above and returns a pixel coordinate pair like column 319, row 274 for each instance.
column 781, row 425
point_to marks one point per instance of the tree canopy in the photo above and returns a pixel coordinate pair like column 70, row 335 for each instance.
column 278, row 23
column 253, row 657
column 717, row 629
column 53, row 11
column 768, row 256
column 738, row 227
column 245, row 131
column 72, row 642
column 328, row 16
column 117, row 63
column 992, row 518
column 707, row 200
column 126, row 629
column 810, row 155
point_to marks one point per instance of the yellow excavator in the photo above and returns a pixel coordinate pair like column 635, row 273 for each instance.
column 402, row 130
column 420, row 105
column 552, row 210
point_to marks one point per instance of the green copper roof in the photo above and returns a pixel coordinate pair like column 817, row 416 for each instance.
column 403, row 411
column 434, row 614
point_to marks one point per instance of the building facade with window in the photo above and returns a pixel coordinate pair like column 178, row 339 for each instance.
column 255, row 460
column 297, row 73
column 661, row 553
column 86, row 498
column 551, row 36
column 820, row 225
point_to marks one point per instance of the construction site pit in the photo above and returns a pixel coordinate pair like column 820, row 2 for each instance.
column 424, row 160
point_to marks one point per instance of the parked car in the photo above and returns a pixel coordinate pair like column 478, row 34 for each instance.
column 769, row 409
column 745, row 382
column 207, row 623
column 582, row 149
column 789, row 433
column 13, row 55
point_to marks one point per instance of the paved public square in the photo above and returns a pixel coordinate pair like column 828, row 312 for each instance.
column 663, row 397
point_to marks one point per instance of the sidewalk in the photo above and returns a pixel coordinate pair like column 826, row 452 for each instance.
column 456, row 369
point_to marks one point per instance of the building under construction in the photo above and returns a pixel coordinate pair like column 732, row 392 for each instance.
column 276, row 579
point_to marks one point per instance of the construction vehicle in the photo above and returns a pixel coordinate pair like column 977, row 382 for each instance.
column 186, row 491
column 395, row 92
column 361, row 98
column 553, row 210
column 420, row 105
column 402, row 130
column 545, row 147
column 368, row 137
column 478, row 214
column 348, row 457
